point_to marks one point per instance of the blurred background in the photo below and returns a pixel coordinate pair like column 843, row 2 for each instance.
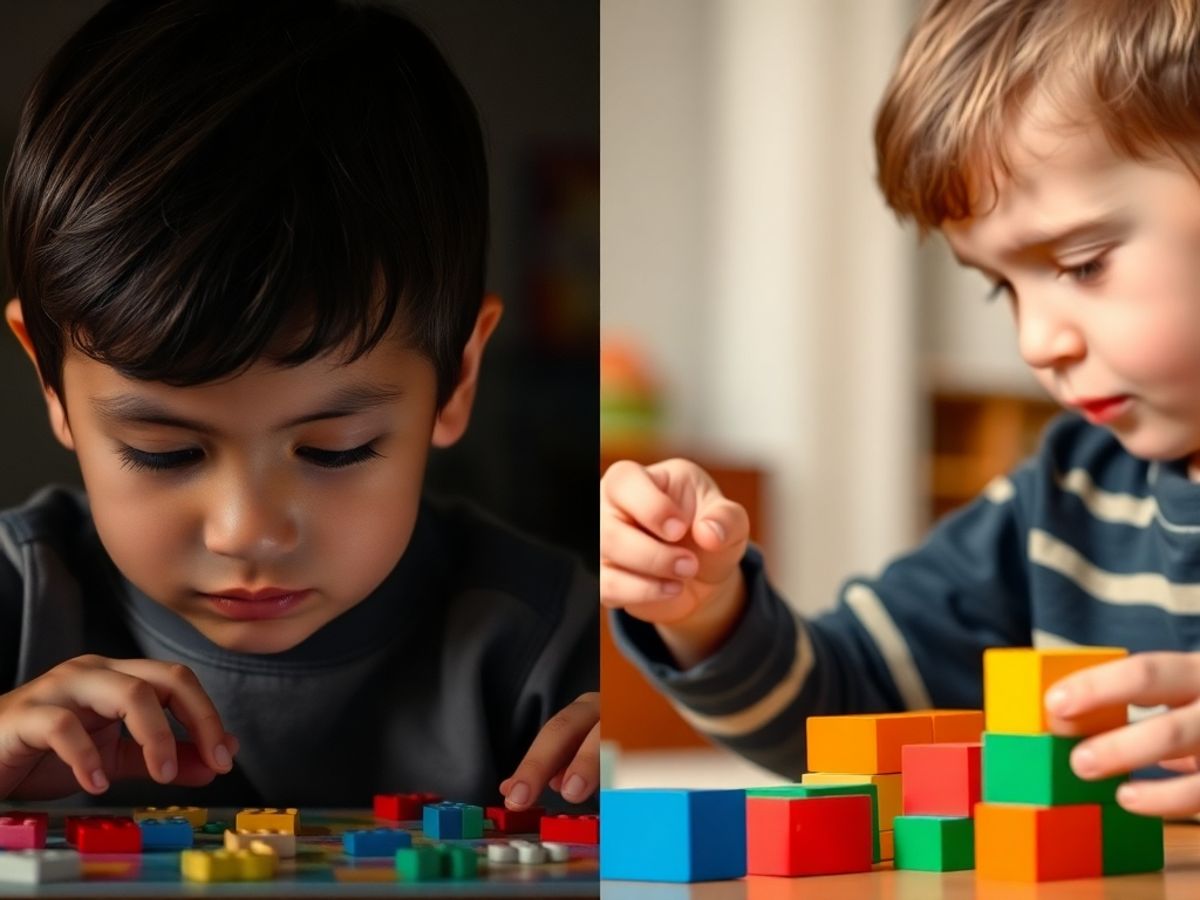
column 764, row 313
column 532, row 68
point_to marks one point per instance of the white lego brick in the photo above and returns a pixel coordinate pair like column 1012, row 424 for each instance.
column 39, row 866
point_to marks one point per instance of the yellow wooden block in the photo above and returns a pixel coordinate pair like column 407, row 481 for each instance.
column 269, row 819
column 887, row 844
column 864, row 744
column 196, row 816
column 1015, row 681
column 206, row 865
column 281, row 842
column 891, row 797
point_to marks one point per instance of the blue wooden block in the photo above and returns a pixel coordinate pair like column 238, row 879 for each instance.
column 442, row 821
column 672, row 835
column 375, row 841
column 166, row 834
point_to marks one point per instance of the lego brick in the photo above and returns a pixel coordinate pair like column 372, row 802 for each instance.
column 281, row 842
column 570, row 829
column 1015, row 681
column 934, row 843
column 530, row 853
column 888, row 787
column 887, row 844
column 458, row 863
column 829, row 790
column 72, row 825
column 865, row 744
column 23, row 831
column 808, row 835
column 673, row 835
column 941, row 779
column 375, row 842
column 508, row 821
column 166, row 834
column 1036, row 768
column 443, row 821
column 419, row 863
column 108, row 834
column 228, row 865
column 501, row 853
column 270, row 819
column 403, row 807
column 258, row 864
column 40, row 866
column 1129, row 843
column 1018, row 842
column 197, row 816
column 556, row 852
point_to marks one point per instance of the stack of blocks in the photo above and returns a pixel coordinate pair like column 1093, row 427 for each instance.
column 1038, row 821
column 940, row 787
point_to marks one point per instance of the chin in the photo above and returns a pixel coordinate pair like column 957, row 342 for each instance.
column 263, row 637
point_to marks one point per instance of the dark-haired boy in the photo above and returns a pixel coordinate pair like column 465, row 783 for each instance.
column 248, row 242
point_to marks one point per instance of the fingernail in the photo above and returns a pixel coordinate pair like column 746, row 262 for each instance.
column 574, row 788
column 100, row 780
column 686, row 567
column 716, row 529
column 1083, row 762
column 519, row 795
column 1057, row 700
column 674, row 529
column 168, row 770
column 671, row 588
column 1127, row 793
column 221, row 755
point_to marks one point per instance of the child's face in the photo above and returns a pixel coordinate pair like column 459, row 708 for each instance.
column 1101, row 258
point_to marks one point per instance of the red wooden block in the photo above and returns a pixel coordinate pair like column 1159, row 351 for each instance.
column 23, row 830
column 571, row 829
column 511, row 821
column 402, row 807
column 791, row 836
column 940, row 779
column 110, row 834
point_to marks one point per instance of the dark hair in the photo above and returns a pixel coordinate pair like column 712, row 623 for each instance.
column 200, row 183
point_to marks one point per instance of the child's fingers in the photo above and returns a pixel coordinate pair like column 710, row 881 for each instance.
column 1169, row 797
column 649, row 599
column 58, row 729
column 582, row 774
column 1144, row 679
column 554, row 747
column 632, row 493
column 121, row 697
column 634, row 550
column 193, row 770
column 1185, row 764
column 1166, row 736
column 720, row 523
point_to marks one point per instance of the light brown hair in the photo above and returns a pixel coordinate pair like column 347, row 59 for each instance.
column 1129, row 66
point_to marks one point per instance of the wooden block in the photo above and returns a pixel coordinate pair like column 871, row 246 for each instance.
column 887, row 844
column 935, row 843
column 1130, row 843
column 1015, row 681
column 864, row 745
column 890, row 793
column 40, row 866
column 793, row 791
column 941, row 779
column 808, row 835
column 283, row 843
column 570, row 829
column 270, row 818
column 197, row 816
column 403, row 807
column 23, row 831
column 108, row 834
column 1016, row 842
column 952, row 726
column 1036, row 768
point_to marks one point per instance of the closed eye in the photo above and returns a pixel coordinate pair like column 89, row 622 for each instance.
column 137, row 460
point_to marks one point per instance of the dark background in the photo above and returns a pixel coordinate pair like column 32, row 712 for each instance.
column 532, row 66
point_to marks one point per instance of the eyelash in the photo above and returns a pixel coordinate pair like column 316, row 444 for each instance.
column 138, row 460
column 1084, row 273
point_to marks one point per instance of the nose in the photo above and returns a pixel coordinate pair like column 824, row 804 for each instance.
column 1048, row 336
column 251, row 521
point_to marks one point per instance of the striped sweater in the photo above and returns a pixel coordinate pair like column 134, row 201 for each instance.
column 1082, row 544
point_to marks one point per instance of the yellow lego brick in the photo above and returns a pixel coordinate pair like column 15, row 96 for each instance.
column 269, row 819
column 205, row 865
column 891, row 798
column 282, row 843
column 864, row 744
column 1015, row 681
column 258, row 864
column 197, row 816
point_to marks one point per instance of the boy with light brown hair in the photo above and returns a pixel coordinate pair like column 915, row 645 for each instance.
column 1056, row 146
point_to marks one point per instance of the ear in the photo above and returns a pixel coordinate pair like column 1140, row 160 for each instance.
column 54, row 405
column 453, row 417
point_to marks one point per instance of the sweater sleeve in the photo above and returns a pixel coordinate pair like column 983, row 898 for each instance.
column 911, row 638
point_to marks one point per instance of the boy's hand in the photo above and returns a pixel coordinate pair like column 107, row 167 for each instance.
column 565, row 755
column 1171, row 739
column 62, row 731
column 670, row 548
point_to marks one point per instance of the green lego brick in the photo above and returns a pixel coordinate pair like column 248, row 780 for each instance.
column 458, row 863
column 934, row 843
column 791, row 791
column 472, row 821
column 1036, row 768
column 419, row 863
column 1129, row 843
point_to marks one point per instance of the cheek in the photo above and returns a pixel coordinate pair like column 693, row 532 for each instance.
column 1153, row 331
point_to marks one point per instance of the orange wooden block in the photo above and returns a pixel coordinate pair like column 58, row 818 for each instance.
column 1016, row 842
column 864, row 744
column 953, row 726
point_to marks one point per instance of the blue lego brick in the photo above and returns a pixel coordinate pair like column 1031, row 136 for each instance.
column 166, row 834
column 672, row 835
column 375, row 841
column 442, row 821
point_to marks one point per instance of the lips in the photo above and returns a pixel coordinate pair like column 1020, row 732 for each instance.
column 1100, row 410
column 267, row 593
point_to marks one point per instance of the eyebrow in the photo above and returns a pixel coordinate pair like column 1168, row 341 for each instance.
column 133, row 409
column 1101, row 228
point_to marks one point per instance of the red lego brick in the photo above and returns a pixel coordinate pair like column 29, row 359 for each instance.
column 108, row 834
column 511, row 821
column 21, row 830
column 402, row 807
column 940, row 779
column 570, row 829
column 790, row 836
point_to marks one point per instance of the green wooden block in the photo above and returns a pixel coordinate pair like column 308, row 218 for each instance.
column 458, row 863
column 1036, row 768
column 472, row 821
column 419, row 863
column 1129, row 843
column 789, row 791
column 934, row 843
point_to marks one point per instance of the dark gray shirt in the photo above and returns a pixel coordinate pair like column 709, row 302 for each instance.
column 438, row 681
